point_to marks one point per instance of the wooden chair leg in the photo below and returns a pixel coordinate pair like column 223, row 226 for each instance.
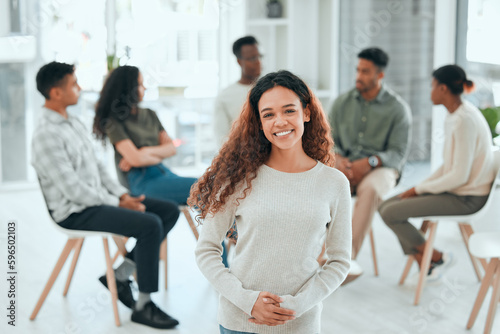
column 110, row 276
column 53, row 276
column 120, row 244
column 115, row 257
column 374, row 254
column 466, row 231
column 424, row 227
column 426, row 261
column 485, row 285
column 469, row 231
column 190, row 221
column 164, row 257
column 76, row 254
column 409, row 262
column 494, row 301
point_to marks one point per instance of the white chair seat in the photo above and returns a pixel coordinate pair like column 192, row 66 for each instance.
column 82, row 234
column 485, row 244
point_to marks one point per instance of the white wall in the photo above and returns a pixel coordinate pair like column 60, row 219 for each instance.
column 4, row 18
column 444, row 53
column 231, row 27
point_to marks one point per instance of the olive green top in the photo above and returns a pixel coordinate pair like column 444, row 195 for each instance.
column 142, row 128
column 380, row 127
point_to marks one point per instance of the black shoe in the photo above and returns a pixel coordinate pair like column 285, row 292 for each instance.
column 152, row 316
column 124, row 291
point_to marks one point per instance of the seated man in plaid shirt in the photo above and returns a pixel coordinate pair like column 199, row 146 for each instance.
column 81, row 195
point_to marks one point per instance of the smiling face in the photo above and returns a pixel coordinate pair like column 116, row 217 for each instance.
column 282, row 118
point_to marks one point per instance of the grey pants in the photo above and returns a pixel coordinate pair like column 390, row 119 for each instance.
column 395, row 213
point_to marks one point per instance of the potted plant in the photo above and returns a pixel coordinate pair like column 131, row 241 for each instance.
column 112, row 61
column 274, row 8
column 492, row 115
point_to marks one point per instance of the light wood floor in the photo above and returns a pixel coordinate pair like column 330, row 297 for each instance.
column 376, row 305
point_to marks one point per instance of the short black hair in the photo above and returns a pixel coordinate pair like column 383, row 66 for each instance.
column 454, row 77
column 376, row 55
column 52, row 75
column 238, row 44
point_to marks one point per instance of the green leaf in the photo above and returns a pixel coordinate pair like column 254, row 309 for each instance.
column 492, row 116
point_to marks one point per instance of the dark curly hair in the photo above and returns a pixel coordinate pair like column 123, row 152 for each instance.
column 247, row 148
column 119, row 96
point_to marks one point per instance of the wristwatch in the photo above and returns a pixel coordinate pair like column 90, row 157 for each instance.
column 373, row 161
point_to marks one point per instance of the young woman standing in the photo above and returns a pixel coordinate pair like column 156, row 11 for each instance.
column 273, row 177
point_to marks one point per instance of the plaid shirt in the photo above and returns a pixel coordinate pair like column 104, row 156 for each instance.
column 71, row 177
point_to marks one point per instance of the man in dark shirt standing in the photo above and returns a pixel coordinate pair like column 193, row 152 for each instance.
column 371, row 129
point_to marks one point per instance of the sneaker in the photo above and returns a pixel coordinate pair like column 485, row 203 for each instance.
column 152, row 316
column 433, row 275
column 439, row 266
column 354, row 272
column 123, row 289
column 435, row 272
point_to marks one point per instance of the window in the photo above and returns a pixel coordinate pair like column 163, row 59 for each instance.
column 477, row 49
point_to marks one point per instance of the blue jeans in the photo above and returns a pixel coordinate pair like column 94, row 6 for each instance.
column 160, row 182
column 228, row 331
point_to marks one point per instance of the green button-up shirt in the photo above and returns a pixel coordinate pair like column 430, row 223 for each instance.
column 380, row 127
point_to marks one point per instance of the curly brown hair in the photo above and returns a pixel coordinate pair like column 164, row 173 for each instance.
column 247, row 148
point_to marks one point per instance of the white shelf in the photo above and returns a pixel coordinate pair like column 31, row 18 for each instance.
column 17, row 49
column 288, row 43
column 271, row 22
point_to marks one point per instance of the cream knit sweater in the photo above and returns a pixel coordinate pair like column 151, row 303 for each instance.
column 281, row 224
column 468, row 164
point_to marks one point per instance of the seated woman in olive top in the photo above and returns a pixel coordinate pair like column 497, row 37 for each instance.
column 140, row 141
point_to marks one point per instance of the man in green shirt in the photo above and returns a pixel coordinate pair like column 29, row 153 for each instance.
column 371, row 128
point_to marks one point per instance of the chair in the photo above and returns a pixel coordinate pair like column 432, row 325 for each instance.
column 464, row 222
column 164, row 245
column 372, row 244
column 374, row 254
column 75, row 242
column 120, row 242
column 321, row 261
column 486, row 245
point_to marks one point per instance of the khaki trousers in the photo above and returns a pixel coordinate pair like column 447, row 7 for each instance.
column 369, row 194
column 396, row 211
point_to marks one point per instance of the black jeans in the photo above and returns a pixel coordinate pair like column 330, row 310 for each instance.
column 148, row 228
